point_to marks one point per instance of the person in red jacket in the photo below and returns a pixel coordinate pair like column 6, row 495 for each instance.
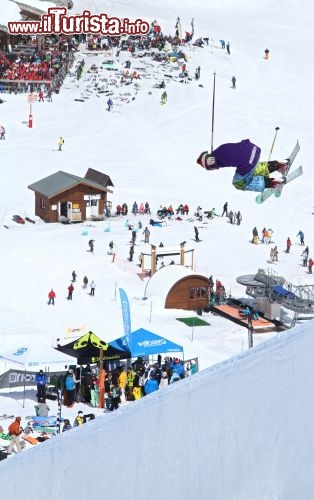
column 51, row 297
column 288, row 245
column 70, row 291
column 310, row 265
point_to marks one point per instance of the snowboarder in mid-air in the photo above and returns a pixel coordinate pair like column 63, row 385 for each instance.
column 251, row 174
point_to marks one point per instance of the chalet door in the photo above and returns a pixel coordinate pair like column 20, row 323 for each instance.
column 94, row 208
column 64, row 208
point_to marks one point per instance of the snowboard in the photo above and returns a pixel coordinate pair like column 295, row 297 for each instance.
column 30, row 439
column 286, row 177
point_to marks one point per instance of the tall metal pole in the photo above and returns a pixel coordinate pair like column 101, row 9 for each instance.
column 213, row 115
column 273, row 144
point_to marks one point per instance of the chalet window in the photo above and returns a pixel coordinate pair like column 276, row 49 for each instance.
column 203, row 292
column 43, row 202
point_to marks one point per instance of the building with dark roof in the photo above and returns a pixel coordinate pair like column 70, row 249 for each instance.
column 67, row 197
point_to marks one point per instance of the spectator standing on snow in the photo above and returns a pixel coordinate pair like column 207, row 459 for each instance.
column 109, row 104
column 233, row 79
column 60, row 143
column 196, row 234
column 255, row 239
column 288, row 245
column 310, row 265
column 266, row 53
column 239, row 218
column 51, row 297
column 146, row 233
column 228, row 47
column 131, row 253
column 301, row 234
column 225, row 210
column 305, row 255
column 41, row 381
column 70, row 291
column 74, row 276
column 92, row 288
column 85, row 282
column 15, row 430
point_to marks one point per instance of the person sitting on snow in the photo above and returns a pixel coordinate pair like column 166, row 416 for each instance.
column 251, row 174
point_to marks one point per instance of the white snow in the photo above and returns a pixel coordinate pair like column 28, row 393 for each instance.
column 242, row 427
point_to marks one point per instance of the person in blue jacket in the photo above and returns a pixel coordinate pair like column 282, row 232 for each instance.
column 151, row 385
column 178, row 368
column 301, row 234
column 41, row 381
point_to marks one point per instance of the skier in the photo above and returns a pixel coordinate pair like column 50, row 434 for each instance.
column 233, row 79
column 74, row 276
column 70, row 291
column 266, row 53
column 225, row 210
column 51, row 297
column 164, row 98
column 196, row 234
column 85, row 282
column 109, row 104
column 301, row 234
column 60, row 143
column 288, row 245
column 250, row 175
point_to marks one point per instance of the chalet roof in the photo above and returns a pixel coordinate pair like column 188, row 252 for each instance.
column 98, row 177
column 62, row 181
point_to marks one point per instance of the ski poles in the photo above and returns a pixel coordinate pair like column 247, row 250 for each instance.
column 213, row 115
column 273, row 144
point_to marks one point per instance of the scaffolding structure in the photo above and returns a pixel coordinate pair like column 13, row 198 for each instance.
column 268, row 285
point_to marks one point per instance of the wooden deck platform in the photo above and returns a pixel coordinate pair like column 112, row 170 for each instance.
column 232, row 311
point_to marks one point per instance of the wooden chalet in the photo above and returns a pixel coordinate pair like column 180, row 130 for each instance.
column 64, row 197
column 178, row 288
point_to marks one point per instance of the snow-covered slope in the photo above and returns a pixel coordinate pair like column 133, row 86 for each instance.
column 239, row 430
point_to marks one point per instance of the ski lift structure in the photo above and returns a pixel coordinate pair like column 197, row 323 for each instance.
column 271, row 293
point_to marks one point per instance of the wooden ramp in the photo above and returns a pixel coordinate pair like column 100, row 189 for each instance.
column 232, row 311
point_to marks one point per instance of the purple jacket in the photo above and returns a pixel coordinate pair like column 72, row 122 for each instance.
column 244, row 155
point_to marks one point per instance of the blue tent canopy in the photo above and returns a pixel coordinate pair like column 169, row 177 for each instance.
column 144, row 343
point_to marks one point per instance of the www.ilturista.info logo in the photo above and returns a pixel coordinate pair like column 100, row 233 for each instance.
column 57, row 21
